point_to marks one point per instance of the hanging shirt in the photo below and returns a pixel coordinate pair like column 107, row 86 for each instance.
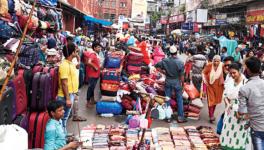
column 143, row 47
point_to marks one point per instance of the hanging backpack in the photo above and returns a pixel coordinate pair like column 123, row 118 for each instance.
column 29, row 55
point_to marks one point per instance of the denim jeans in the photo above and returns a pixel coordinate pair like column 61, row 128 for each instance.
column 257, row 140
column 176, row 86
column 91, row 86
column 67, row 111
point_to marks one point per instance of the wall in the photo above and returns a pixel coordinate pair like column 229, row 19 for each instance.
column 108, row 8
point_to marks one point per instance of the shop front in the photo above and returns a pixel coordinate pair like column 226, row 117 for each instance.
column 176, row 21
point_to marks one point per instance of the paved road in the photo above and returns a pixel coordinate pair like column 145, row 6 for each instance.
column 93, row 118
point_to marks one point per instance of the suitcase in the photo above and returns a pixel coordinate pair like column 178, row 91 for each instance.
column 6, row 106
column 36, row 129
column 41, row 91
column 112, row 62
column 54, row 73
column 21, row 96
column 28, row 77
column 22, row 120
column 109, row 107
column 14, row 106
column 111, row 75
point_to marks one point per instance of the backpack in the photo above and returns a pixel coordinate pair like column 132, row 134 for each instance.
column 29, row 55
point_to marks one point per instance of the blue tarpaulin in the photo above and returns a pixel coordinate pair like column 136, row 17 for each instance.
column 99, row 21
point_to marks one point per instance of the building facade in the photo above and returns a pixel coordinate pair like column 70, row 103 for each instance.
column 111, row 9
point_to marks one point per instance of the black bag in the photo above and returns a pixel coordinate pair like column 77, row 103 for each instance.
column 6, row 106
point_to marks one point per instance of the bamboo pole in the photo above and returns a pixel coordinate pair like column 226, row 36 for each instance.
column 17, row 52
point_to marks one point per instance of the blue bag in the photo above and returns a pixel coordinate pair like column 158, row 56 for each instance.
column 48, row 2
column 11, row 6
column 8, row 30
column 112, row 62
column 109, row 107
column 29, row 55
column 220, row 124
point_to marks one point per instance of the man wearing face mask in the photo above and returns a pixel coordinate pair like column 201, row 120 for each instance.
column 251, row 102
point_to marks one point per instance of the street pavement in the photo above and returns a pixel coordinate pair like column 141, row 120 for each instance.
column 93, row 118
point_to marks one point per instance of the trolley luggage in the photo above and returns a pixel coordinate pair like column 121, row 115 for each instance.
column 22, row 120
column 6, row 106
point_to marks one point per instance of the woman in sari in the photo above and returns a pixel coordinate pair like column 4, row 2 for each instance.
column 214, row 80
column 234, row 135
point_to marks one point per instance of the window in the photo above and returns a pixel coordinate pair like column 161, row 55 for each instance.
column 106, row 16
column 113, row 4
column 112, row 17
column 122, row 5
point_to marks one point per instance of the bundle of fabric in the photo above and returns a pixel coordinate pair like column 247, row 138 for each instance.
column 209, row 138
column 131, row 137
column 87, row 134
column 162, row 137
column 180, row 138
column 117, row 138
column 101, row 137
column 135, row 61
column 194, row 137
column 192, row 112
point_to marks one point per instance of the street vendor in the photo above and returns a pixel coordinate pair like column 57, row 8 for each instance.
column 55, row 137
column 174, row 71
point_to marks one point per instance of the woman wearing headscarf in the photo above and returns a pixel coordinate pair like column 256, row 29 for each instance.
column 234, row 136
column 214, row 80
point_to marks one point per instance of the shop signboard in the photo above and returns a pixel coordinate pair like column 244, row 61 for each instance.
column 201, row 15
column 233, row 20
column 195, row 27
column 187, row 26
column 255, row 17
column 221, row 19
column 176, row 18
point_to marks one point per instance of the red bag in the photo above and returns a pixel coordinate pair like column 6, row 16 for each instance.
column 109, row 87
column 191, row 91
column 37, row 127
column 21, row 96
column 133, row 69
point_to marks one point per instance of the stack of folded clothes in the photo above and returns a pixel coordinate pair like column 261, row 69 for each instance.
column 192, row 112
column 180, row 138
column 195, row 139
column 87, row 134
column 101, row 137
column 117, row 138
column 210, row 139
column 162, row 137
column 131, row 138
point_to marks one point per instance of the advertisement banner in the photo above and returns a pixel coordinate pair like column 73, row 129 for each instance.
column 221, row 19
column 139, row 8
column 255, row 17
column 176, row 18
column 202, row 15
column 187, row 26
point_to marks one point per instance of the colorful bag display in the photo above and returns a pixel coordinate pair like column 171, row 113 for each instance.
column 8, row 30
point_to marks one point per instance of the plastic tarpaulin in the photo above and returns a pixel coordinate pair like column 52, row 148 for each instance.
column 48, row 2
column 229, row 44
column 98, row 21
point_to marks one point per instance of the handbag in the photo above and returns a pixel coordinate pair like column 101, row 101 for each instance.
column 220, row 124
column 134, row 122
column 168, row 111
column 191, row 91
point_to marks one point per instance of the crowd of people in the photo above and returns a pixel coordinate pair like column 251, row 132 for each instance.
column 236, row 79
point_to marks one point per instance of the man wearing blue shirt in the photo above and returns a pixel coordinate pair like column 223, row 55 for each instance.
column 55, row 137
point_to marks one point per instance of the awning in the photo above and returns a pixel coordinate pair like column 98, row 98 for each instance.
column 98, row 21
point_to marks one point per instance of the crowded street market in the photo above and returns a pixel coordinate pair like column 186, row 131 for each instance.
column 132, row 75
